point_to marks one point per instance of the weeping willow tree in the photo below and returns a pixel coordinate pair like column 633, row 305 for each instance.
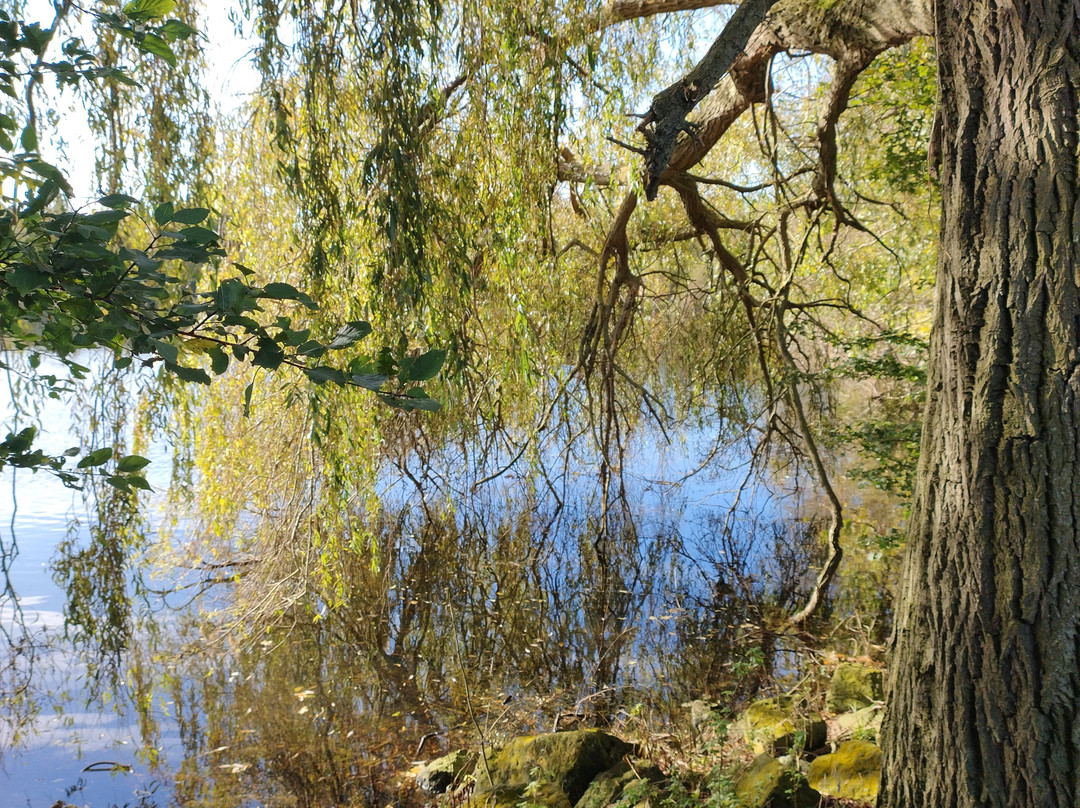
column 468, row 177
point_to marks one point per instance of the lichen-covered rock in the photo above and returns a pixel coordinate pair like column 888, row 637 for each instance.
column 853, row 687
column 864, row 724
column 438, row 775
column 776, row 726
column 852, row 772
column 570, row 760
column 767, row 784
column 609, row 786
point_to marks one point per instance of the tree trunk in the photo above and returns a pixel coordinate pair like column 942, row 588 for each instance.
column 983, row 701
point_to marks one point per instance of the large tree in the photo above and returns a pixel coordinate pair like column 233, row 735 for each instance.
column 983, row 705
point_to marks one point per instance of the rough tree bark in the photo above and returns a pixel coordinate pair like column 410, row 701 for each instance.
column 983, row 703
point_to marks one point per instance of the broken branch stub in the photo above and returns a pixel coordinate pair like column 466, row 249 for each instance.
column 666, row 117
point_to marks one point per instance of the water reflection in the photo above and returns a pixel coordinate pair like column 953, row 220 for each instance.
column 293, row 675
column 490, row 625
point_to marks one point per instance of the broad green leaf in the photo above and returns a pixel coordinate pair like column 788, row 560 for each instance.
column 29, row 139
column 18, row 443
column 25, row 280
column 423, row 367
column 118, row 201
column 422, row 401
column 50, row 172
column 369, row 381
column 186, row 374
column 98, row 457
column 175, row 29
column 131, row 463
column 286, row 291
column 321, row 374
column 349, row 334
column 269, row 354
column 163, row 213
column 219, row 360
column 142, row 10
column 118, row 482
column 190, row 215
column 426, row 404
column 48, row 191
column 152, row 43
column 137, row 481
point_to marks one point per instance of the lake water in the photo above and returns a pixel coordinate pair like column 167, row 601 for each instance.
column 345, row 696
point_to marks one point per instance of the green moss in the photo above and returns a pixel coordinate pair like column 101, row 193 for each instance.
column 767, row 784
column 852, row 772
column 853, row 687
column 441, row 773
column 535, row 795
column 609, row 787
column 776, row 726
column 569, row 759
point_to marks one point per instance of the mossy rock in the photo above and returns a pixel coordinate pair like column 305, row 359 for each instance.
column 568, row 759
column 608, row 787
column 767, row 784
column 863, row 725
column 853, row 687
column 776, row 726
column 536, row 795
column 852, row 772
column 440, row 774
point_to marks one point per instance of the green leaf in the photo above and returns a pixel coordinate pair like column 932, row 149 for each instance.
column 190, row 215
column 369, row 381
column 48, row 191
column 29, row 139
column 170, row 353
column 422, row 401
column 98, row 457
column 185, row 374
column 25, row 280
column 131, row 463
column 118, row 201
column 321, row 374
column 286, row 291
column 219, row 360
column 163, row 213
column 17, row 444
column 195, row 233
column 422, row 367
column 174, row 29
column 119, row 483
column 137, row 481
column 50, row 172
column 426, row 404
column 142, row 10
column 152, row 43
column 269, row 354
column 349, row 334
column 247, row 398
